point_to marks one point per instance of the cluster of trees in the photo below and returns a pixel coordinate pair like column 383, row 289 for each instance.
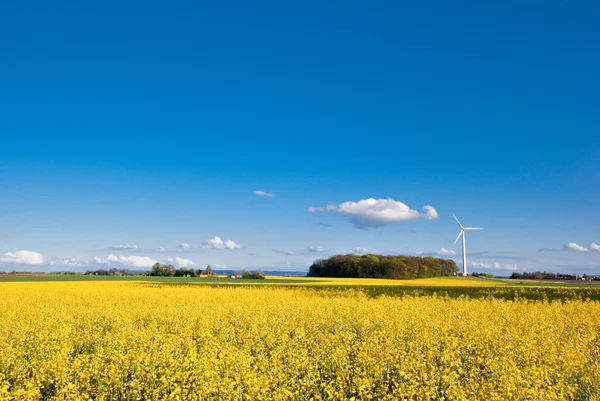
column 488, row 275
column 259, row 274
column 377, row 266
column 110, row 272
column 546, row 276
column 169, row 270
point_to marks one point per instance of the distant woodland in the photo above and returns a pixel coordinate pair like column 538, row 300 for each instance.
column 377, row 266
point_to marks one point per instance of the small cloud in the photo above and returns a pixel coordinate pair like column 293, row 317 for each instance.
column 132, row 261
column 494, row 265
column 218, row 243
column 100, row 261
column 181, row 262
column 72, row 262
column 374, row 213
column 288, row 253
column 124, row 247
column 549, row 250
column 22, row 257
column 361, row 250
column 317, row 249
column 264, row 194
column 445, row 251
column 595, row 247
column 161, row 249
column 505, row 257
column 324, row 224
column 575, row 247
column 183, row 246
column 430, row 213
column 418, row 253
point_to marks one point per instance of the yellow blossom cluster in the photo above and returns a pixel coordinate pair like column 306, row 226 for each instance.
column 136, row 341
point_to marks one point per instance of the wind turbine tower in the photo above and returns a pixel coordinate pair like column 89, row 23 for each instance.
column 464, row 246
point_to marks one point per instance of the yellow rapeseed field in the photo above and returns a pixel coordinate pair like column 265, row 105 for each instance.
column 439, row 281
column 143, row 341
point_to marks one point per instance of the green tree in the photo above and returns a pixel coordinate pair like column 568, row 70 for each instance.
column 376, row 266
column 157, row 270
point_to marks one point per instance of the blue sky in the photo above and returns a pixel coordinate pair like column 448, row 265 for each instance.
column 152, row 124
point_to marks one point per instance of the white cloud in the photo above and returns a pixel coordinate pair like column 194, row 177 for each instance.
column 264, row 194
column 373, row 213
column 317, row 249
column 181, row 262
column 160, row 249
column 575, row 247
column 495, row 265
column 287, row 253
column 358, row 249
column 218, row 243
column 595, row 246
column 22, row 257
column 133, row 261
column 124, row 247
column 445, row 251
column 74, row 262
column 100, row 261
column 183, row 246
column 430, row 213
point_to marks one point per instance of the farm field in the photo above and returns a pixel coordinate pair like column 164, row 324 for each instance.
column 134, row 340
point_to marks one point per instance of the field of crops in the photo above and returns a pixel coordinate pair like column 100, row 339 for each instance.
column 126, row 340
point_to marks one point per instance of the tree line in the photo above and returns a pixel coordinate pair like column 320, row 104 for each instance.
column 246, row 274
column 378, row 266
column 159, row 269
column 547, row 276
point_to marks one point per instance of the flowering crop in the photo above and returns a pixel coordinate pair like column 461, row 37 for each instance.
column 136, row 341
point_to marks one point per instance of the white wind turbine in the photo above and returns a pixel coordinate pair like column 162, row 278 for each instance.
column 464, row 246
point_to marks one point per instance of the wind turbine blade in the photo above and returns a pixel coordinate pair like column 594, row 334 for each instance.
column 473, row 228
column 459, row 234
column 460, row 225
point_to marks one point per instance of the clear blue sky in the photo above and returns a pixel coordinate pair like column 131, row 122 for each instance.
column 152, row 124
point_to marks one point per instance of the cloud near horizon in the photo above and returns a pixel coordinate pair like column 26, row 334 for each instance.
column 124, row 247
column 572, row 246
column 287, row 253
column 317, row 249
column 494, row 265
column 218, row 243
column 22, row 257
column 375, row 213
column 444, row 251
column 181, row 262
column 132, row 261
column 72, row 262
column 264, row 194
column 184, row 245
column 358, row 249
